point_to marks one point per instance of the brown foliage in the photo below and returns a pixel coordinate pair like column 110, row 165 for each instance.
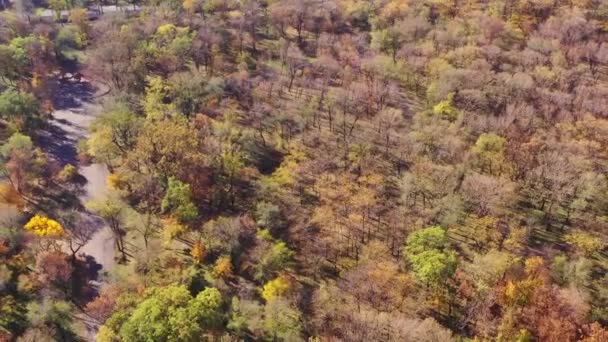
column 53, row 267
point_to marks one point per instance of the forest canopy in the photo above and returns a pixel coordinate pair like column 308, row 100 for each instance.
column 304, row 170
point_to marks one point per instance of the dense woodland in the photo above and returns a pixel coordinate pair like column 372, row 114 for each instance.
column 319, row 170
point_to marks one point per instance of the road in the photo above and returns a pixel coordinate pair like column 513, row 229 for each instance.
column 76, row 106
column 94, row 13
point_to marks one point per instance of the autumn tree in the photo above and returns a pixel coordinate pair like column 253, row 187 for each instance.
column 177, row 200
column 168, row 313
column 112, row 211
column 428, row 252
column 114, row 134
column 19, row 108
column 44, row 227
column 282, row 320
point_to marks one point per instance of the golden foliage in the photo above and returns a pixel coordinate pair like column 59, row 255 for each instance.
column 190, row 5
column 28, row 283
column 44, row 226
column 395, row 9
column 533, row 265
column 222, row 268
column 517, row 239
column 117, row 181
column 68, row 173
column 585, row 242
column 283, row 176
column 172, row 229
column 519, row 292
column 36, row 80
column 9, row 195
column 276, row 288
column 199, row 252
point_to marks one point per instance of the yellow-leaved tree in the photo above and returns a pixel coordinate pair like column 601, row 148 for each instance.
column 276, row 288
column 222, row 267
column 192, row 6
column 44, row 226
column 199, row 252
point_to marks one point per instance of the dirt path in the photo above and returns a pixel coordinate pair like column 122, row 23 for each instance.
column 76, row 104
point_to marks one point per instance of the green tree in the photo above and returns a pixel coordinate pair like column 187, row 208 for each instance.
column 282, row 321
column 16, row 142
column 191, row 91
column 388, row 40
column 276, row 259
column 428, row 252
column 244, row 316
column 112, row 210
column 57, row 6
column 155, row 102
column 80, row 18
column 178, row 200
column 230, row 166
column 9, row 67
column 170, row 47
column 18, row 107
column 446, row 109
column 489, row 152
column 12, row 314
column 268, row 216
column 21, row 162
column 54, row 318
column 114, row 134
column 171, row 314
column 488, row 269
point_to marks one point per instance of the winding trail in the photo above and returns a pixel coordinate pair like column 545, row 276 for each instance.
column 76, row 107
